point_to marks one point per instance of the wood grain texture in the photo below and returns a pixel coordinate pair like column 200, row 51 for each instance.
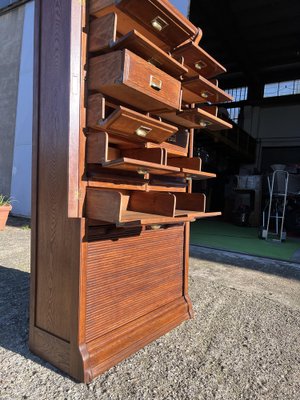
column 99, row 152
column 47, row 346
column 95, row 110
column 103, row 32
column 126, row 123
column 75, row 105
column 106, row 285
column 193, row 163
column 191, row 201
column 97, row 148
column 115, row 207
column 200, row 90
column 144, row 48
column 103, row 38
column 114, row 266
column 194, row 56
column 143, row 208
column 176, row 145
column 196, row 175
column 126, row 77
column 104, row 205
column 140, row 166
column 198, row 118
column 112, row 348
column 178, row 28
column 213, row 110
column 157, row 156
column 57, row 237
column 186, row 269
column 153, row 203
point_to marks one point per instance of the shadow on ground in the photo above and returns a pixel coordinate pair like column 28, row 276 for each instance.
column 281, row 269
column 14, row 314
column 18, row 222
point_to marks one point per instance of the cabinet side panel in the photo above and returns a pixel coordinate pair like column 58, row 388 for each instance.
column 57, row 237
column 131, row 276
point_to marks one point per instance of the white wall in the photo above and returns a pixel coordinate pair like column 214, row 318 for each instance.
column 21, row 172
column 276, row 126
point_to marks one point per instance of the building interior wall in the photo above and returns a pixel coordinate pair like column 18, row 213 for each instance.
column 274, row 127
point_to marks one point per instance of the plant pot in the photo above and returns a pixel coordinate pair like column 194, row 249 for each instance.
column 4, row 211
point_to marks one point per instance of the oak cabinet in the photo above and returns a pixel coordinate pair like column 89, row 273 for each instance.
column 112, row 176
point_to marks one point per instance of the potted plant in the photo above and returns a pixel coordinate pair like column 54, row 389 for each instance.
column 5, row 208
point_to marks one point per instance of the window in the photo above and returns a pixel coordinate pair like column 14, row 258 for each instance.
column 234, row 114
column 6, row 3
column 282, row 88
column 238, row 94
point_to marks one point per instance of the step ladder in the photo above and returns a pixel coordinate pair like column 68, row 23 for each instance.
column 276, row 206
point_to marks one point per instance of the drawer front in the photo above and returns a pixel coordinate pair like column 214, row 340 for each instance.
column 130, row 276
column 200, row 90
column 128, row 78
column 150, row 80
column 159, row 18
column 136, row 126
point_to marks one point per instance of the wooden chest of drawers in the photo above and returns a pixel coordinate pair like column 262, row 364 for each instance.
column 112, row 170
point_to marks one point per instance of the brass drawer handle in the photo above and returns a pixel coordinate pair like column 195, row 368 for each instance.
column 205, row 94
column 159, row 24
column 143, row 131
column 155, row 83
column 203, row 123
column 142, row 171
column 200, row 65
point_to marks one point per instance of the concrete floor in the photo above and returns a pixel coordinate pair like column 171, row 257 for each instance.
column 244, row 342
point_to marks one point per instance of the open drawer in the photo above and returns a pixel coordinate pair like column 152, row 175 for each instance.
column 159, row 20
column 200, row 90
column 143, row 161
column 144, row 208
column 127, row 123
column 190, row 168
column 197, row 118
column 176, row 145
column 126, row 77
column 103, row 37
column 198, row 61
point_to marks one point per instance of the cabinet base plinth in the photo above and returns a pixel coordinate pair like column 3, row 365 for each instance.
column 86, row 361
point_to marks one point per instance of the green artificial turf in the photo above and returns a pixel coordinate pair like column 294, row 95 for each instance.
column 225, row 236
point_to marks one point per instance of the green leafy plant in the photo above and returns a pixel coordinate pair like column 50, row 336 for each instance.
column 5, row 201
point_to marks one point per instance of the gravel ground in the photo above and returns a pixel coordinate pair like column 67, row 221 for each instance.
column 244, row 342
